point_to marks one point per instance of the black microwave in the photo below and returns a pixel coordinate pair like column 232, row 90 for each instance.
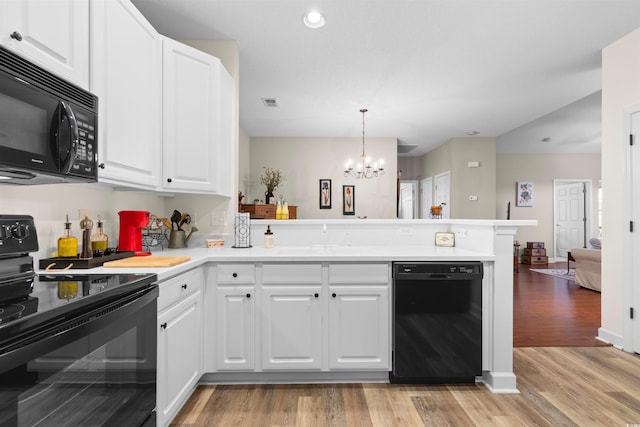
column 48, row 126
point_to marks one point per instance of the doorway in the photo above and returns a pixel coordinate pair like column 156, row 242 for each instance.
column 426, row 197
column 631, row 238
column 408, row 207
column 441, row 193
column 572, row 215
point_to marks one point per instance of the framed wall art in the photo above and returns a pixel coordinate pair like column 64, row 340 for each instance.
column 524, row 194
column 348, row 200
column 325, row 194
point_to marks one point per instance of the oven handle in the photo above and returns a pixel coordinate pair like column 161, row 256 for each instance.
column 66, row 329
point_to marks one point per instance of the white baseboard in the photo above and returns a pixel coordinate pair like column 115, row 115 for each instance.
column 609, row 337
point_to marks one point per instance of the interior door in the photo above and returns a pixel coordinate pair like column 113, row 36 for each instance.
column 408, row 201
column 632, row 293
column 426, row 197
column 442, row 190
column 570, row 217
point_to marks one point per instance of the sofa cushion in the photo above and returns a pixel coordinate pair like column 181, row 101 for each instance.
column 587, row 267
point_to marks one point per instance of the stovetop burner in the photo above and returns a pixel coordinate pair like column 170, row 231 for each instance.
column 18, row 309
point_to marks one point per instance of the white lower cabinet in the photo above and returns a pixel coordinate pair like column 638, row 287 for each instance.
column 235, row 326
column 295, row 317
column 291, row 328
column 179, row 342
column 359, row 327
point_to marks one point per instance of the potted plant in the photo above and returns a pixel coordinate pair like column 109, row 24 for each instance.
column 271, row 178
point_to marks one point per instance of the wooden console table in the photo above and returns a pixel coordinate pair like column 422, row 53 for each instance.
column 267, row 211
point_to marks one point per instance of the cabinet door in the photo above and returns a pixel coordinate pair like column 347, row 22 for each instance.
column 54, row 34
column 235, row 328
column 179, row 355
column 126, row 75
column 359, row 327
column 291, row 328
column 191, row 130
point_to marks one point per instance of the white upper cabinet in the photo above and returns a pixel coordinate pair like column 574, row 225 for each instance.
column 54, row 34
column 126, row 75
column 193, row 150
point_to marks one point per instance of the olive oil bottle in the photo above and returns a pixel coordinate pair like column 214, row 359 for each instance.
column 99, row 240
column 67, row 243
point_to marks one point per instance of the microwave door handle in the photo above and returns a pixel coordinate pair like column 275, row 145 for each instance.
column 75, row 137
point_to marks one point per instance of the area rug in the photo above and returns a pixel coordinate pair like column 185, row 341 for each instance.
column 557, row 272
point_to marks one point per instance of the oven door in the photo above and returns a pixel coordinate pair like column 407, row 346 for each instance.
column 91, row 369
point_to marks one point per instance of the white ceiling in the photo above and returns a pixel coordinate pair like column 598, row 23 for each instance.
column 427, row 70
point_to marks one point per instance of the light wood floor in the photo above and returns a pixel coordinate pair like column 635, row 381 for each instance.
column 581, row 385
column 560, row 386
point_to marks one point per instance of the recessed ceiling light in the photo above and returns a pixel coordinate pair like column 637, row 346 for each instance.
column 472, row 132
column 314, row 19
column 547, row 139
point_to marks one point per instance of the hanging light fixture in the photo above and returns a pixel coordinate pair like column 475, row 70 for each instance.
column 363, row 169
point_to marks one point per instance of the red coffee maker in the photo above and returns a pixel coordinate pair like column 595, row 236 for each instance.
column 131, row 224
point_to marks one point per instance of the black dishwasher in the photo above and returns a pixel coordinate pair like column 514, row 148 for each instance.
column 437, row 322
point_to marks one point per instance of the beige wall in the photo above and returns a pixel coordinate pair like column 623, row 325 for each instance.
column 304, row 161
column 542, row 169
column 620, row 91
column 454, row 156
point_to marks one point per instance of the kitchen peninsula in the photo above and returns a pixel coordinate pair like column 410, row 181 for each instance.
column 238, row 301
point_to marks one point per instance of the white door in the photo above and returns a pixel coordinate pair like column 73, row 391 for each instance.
column 55, row 34
column 235, row 326
column 291, row 327
column 178, row 355
column 441, row 193
column 426, row 197
column 408, row 202
column 632, row 291
column 570, row 216
column 359, row 327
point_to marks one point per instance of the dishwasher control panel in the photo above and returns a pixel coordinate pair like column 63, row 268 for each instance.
column 439, row 267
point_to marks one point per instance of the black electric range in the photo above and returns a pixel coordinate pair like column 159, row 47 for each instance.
column 66, row 339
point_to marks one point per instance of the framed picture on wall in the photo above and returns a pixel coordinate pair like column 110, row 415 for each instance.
column 325, row 194
column 348, row 200
column 524, row 193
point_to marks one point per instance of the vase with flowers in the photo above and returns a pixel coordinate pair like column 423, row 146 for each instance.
column 271, row 178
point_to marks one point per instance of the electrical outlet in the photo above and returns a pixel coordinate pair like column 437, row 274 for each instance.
column 462, row 234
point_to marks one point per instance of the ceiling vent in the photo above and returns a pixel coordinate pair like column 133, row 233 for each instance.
column 405, row 148
column 270, row 102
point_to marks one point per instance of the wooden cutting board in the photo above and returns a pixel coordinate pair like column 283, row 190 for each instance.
column 147, row 261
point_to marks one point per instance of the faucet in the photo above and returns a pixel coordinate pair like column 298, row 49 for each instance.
column 324, row 234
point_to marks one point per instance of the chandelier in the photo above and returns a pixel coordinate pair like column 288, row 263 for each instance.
column 363, row 169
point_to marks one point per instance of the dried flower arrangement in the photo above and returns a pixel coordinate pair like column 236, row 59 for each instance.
column 271, row 178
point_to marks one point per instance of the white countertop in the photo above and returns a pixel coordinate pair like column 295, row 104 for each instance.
column 317, row 253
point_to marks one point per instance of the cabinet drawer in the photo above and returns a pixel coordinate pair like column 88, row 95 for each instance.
column 232, row 274
column 179, row 287
column 359, row 273
column 292, row 273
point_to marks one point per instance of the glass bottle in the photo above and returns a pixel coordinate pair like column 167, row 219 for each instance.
column 269, row 238
column 285, row 210
column 99, row 240
column 279, row 210
column 67, row 243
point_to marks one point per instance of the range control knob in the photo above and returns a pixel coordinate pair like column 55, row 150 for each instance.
column 4, row 232
column 20, row 231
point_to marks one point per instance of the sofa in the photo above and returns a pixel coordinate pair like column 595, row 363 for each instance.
column 587, row 267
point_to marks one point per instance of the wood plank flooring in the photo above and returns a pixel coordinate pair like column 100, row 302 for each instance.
column 551, row 311
column 565, row 376
column 560, row 386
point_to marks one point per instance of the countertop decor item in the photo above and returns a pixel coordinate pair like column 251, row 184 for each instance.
column 271, row 178
column 364, row 168
column 242, row 228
